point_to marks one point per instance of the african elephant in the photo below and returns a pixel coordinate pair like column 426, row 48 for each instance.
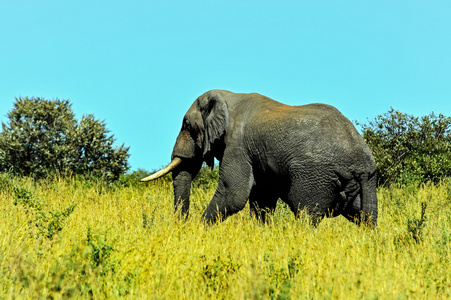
column 310, row 156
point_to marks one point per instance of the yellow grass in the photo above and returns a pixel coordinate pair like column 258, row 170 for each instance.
column 145, row 252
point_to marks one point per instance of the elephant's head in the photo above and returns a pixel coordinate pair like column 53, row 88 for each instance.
column 199, row 140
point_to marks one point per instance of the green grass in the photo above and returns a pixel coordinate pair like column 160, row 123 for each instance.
column 125, row 242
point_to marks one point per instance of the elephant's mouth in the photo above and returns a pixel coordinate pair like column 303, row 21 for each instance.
column 171, row 166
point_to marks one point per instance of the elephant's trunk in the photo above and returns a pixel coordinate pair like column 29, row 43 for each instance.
column 182, row 177
column 182, row 188
column 174, row 163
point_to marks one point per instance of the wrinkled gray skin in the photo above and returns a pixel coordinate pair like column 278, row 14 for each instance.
column 310, row 156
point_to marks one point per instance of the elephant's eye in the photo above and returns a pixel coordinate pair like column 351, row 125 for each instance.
column 187, row 124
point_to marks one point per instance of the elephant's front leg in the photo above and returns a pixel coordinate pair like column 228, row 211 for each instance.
column 234, row 186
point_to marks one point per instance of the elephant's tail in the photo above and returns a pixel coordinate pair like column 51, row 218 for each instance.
column 368, row 196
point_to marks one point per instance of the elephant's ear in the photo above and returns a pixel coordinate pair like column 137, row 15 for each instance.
column 216, row 118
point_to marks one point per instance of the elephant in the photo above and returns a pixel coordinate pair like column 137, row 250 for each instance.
column 309, row 156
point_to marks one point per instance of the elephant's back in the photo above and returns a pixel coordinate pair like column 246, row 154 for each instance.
column 311, row 119
column 329, row 123
column 315, row 133
column 338, row 140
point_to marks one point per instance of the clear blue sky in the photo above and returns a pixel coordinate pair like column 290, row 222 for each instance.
column 140, row 64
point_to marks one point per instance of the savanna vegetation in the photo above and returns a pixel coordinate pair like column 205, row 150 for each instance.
column 91, row 231
column 75, row 238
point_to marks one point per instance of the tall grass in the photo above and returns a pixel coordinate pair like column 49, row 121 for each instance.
column 125, row 242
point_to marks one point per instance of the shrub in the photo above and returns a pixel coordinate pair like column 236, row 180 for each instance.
column 46, row 223
column 100, row 251
column 206, row 178
column 42, row 138
column 415, row 226
column 410, row 149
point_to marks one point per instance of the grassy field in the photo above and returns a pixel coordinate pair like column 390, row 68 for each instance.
column 63, row 239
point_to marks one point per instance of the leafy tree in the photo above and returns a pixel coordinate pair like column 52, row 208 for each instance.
column 96, row 154
column 410, row 149
column 43, row 138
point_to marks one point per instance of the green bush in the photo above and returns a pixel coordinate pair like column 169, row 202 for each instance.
column 100, row 252
column 42, row 138
column 206, row 178
column 409, row 149
column 41, row 223
column 415, row 226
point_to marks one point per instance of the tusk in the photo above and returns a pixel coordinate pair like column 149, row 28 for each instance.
column 174, row 163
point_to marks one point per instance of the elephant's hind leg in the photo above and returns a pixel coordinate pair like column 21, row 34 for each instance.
column 314, row 196
column 352, row 210
column 368, row 198
column 262, row 202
